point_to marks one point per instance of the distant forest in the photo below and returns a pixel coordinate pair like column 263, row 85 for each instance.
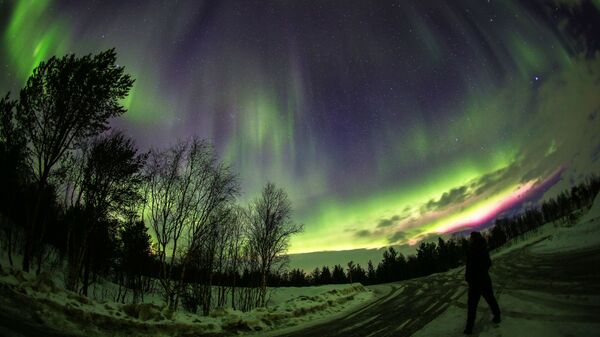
column 77, row 193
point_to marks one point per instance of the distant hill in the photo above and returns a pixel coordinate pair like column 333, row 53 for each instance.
column 309, row 261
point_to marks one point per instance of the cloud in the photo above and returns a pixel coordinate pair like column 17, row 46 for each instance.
column 401, row 238
column 363, row 233
column 429, row 237
column 493, row 181
column 397, row 237
column 392, row 221
column 454, row 196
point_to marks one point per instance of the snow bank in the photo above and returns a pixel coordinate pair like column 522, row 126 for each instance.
column 554, row 237
column 44, row 299
column 295, row 306
column 67, row 311
column 580, row 236
column 594, row 213
column 583, row 235
column 537, row 235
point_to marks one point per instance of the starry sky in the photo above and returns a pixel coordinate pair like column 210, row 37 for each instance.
column 387, row 122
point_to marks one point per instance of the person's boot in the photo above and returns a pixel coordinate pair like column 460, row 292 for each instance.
column 468, row 331
column 496, row 319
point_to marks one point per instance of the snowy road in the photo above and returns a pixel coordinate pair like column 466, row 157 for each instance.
column 552, row 281
column 406, row 309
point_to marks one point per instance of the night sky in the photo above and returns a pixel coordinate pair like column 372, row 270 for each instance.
column 386, row 121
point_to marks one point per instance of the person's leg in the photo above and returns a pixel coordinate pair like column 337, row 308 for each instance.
column 488, row 295
column 472, row 301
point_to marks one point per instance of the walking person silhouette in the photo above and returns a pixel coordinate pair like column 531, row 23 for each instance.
column 478, row 278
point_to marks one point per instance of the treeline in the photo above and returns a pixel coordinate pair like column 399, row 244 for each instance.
column 431, row 257
column 434, row 257
column 565, row 207
column 71, row 183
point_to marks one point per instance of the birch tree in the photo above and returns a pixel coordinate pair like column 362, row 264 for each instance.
column 186, row 186
column 270, row 229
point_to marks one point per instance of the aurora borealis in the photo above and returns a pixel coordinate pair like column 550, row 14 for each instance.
column 386, row 122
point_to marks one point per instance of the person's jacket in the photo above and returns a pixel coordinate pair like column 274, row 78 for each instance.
column 478, row 264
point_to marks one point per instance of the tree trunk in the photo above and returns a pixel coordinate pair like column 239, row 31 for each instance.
column 263, row 289
column 233, row 293
column 10, row 245
column 31, row 225
column 208, row 296
column 86, row 274
column 28, row 246
column 180, row 285
column 40, row 256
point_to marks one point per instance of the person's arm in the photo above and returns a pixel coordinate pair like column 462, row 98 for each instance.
column 488, row 261
column 468, row 269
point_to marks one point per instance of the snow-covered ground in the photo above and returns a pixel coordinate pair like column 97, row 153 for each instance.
column 583, row 235
column 44, row 300
column 561, row 307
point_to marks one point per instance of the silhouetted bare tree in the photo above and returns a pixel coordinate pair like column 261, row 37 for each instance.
column 109, row 186
column 270, row 228
column 186, row 186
